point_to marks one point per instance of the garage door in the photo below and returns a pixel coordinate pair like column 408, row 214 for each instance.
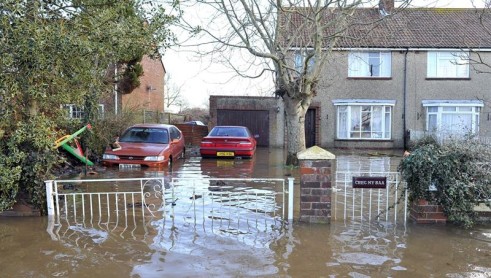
column 256, row 120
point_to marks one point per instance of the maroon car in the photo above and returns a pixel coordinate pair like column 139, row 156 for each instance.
column 228, row 141
column 152, row 145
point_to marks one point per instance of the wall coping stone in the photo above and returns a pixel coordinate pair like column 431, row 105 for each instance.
column 315, row 153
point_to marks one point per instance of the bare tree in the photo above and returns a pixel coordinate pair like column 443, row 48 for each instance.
column 291, row 39
column 173, row 95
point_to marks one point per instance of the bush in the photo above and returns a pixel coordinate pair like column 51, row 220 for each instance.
column 460, row 173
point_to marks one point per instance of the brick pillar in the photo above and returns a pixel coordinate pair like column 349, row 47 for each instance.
column 424, row 212
column 315, row 185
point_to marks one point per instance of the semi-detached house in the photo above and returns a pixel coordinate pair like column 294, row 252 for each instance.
column 416, row 70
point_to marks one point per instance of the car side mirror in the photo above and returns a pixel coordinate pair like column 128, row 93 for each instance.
column 174, row 141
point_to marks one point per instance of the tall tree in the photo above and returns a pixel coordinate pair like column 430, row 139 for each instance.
column 57, row 52
column 293, row 39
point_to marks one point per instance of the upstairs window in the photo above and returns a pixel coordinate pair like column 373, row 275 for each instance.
column 299, row 60
column 446, row 64
column 369, row 64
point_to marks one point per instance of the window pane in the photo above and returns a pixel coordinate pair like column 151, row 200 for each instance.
column 387, row 123
column 432, row 124
column 432, row 109
column 343, row 122
column 355, row 122
column 465, row 108
column 449, row 108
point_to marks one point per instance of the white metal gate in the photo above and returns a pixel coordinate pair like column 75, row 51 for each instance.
column 127, row 206
column 366, row 204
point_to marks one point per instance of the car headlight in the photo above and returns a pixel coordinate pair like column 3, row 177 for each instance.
column 154, row 158
column 110, row 157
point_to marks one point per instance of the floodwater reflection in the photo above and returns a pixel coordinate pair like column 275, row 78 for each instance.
column 188, row 246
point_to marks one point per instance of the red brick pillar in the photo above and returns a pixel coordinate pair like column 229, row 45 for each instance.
column 315, row 185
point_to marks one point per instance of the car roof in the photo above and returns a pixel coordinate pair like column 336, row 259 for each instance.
column 152, row 125
column 230, row 126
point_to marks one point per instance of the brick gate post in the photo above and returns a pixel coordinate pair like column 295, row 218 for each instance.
column 315, row 185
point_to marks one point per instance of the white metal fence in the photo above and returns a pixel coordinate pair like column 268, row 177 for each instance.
column 127, row 206
column 366, row 204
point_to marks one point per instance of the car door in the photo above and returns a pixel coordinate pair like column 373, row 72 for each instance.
column 175, row 147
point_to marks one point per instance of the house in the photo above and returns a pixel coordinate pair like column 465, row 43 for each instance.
column 147, row 98
column 418, row 70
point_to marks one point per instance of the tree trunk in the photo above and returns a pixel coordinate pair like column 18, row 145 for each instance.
column 295, row 129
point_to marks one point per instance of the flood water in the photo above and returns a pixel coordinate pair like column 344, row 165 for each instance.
column 181, row 246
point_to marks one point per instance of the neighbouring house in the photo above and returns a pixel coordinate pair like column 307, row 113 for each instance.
column 149, row 96
column 419, row 70
column 146, row 99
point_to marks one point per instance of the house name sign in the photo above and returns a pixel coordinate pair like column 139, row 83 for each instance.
column 369, row 182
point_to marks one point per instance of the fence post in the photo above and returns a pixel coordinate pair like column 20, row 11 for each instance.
column 290, row 199
column 49, row 197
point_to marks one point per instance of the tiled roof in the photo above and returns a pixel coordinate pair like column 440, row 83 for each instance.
column 411, row 28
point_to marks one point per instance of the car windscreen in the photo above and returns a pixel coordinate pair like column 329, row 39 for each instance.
column 145, row 135
column 229, row 131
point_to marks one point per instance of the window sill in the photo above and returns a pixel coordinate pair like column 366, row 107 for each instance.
column 364, row 140
column 448, row 78
column 369, row 78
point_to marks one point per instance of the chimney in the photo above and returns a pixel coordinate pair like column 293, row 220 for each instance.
column 386, row 6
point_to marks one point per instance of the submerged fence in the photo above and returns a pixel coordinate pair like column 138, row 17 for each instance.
column 365, row 204
column 128, row 206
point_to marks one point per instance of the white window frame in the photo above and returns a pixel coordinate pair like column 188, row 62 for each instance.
column 299, row 59
column 77, row 112
column 448, row 64
column 347, row 112
column 370, row 64
column 436, row 110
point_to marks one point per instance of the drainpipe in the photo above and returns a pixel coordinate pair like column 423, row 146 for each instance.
column 405, row 100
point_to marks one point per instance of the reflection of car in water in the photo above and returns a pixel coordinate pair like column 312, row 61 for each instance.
column 229, row 168
column 152, row 145
column 228, row 141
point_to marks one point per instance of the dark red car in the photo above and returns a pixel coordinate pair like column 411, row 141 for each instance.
column 228, row 141
column 152, row 145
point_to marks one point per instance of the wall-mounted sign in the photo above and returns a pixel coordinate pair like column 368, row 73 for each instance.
column 369, row 182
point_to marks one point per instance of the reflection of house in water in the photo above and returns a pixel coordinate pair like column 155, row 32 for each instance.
column 366, row 161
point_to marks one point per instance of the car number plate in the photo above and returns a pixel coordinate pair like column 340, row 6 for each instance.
column 129, row 166
column 225, row 154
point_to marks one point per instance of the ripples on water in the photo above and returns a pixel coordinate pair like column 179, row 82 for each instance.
column 211, row 233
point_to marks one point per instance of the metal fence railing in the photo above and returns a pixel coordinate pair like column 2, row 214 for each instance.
column 127, row 206
column 388, row 204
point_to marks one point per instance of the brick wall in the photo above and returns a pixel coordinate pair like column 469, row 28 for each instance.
column 424, row 212
column 150, row 94
column 193, row 133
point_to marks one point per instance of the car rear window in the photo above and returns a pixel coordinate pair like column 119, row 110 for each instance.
column 145, row 135
column 229, row 131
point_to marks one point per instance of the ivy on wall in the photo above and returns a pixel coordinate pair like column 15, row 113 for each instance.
column 459, row 174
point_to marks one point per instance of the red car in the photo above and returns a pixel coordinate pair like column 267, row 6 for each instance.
column 152, row 145
column 228, row 141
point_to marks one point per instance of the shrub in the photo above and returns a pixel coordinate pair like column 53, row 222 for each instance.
column 459, row 172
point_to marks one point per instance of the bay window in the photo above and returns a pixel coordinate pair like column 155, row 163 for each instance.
column 452, row 117
column 364, row 119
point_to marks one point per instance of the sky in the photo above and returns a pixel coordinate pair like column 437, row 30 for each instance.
column 198, row 78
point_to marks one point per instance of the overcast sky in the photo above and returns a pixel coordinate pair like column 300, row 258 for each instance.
column 199, row 78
